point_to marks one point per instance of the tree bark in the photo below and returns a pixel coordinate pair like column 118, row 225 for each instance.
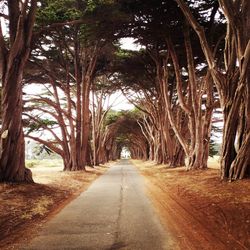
column 13, row 60
column 232, row 84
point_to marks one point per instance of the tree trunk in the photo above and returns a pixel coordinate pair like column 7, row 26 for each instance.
column 232, row 84
column 78, row 105
column 12, row 157
column 85, row 129
column 13, row 59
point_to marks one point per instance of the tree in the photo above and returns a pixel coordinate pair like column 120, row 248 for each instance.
column 232, row 83
column 124, row 131
column 68, row 60
column 137, row 74
column 61, row 105
column 101, row 90
column 195, row 98
column 15, row 51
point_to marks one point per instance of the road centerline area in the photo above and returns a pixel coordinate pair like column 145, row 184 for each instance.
column 114, row 213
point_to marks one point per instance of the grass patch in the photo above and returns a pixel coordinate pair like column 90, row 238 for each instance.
column 44, row 163
column 39, row 208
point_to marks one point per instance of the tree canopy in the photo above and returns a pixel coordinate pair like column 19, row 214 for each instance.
column 193, row 61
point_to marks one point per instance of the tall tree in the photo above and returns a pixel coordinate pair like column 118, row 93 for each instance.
column 232, row 83
column 15, row 50
column 101, row 104
column 124, row 131
column 160, row 27
column 70, row 58
column 137, row 72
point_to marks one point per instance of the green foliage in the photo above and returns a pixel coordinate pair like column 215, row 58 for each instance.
column 31, row 163
column 44, row 148
column 107, row 18
column 44, row 163
column 40, row 151
column 112, row 117
column 52, row 11
column 134, row 114
column 122, row 139
column 153, row 20
column 40, row 123
column 123, row 54
column 92, row 5
column 214, row 148
column 136, row 70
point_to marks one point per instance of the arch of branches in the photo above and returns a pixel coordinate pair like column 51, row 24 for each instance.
column 194, row 62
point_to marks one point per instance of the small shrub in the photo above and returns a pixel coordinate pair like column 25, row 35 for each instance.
column 31, row 163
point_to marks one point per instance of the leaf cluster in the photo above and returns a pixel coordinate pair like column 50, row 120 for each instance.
column 51, row 11
column 135, row 69
column 39, row 123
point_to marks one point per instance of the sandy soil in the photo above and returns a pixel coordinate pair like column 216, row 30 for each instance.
column 24, row 208
column 199, row 210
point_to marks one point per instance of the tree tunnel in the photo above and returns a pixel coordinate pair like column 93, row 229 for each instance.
column 193, row 61
column 124, row 132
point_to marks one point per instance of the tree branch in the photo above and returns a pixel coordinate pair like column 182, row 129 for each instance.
column 179, row 88
column 44, row 127
column 47, row 143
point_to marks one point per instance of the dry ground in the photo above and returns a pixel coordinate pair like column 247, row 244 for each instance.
column 23, row 208
column 199, row 210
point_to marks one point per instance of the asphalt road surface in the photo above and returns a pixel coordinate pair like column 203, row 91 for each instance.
column 114, row 213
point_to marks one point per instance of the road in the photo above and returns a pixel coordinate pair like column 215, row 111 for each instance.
column 114, row 213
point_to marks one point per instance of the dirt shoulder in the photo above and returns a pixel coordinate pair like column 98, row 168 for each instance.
column 24, row 208
column 199, row 210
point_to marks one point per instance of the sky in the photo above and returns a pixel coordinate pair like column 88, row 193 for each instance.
column 129, row 44
column 120, row 102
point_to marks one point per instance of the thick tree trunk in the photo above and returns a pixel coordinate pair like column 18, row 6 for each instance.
column 13, row 57
column 232, row 84
column 241, row 163
column 67, row 164
column 229, row 156
column 12, row 157
column 199, row 158
column 179, row 158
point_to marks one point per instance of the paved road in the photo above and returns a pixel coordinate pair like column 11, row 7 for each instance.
column 114, row 213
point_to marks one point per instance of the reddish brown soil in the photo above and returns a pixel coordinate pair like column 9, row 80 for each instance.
column 199, row 210
column 23, row 208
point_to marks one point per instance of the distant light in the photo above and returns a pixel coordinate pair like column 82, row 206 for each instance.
column 128, row 43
